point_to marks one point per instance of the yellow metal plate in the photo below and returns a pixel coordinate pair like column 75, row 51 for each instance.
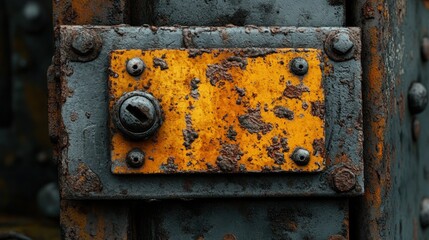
column 225, row 110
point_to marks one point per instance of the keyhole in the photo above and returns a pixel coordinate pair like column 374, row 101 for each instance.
column 137, row 113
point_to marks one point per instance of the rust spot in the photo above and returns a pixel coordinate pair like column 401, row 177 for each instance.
column 231, row 133
column 197, row 52
column 219, row 72
column 318, row 109
column 258, row 52
column 74, row 116
column 161, row 63
column 85, row 180
column 336, row 237
column 228, row 157
column 194, row 88
column 170, row 166
column 252, row 122
column 277, row 149
column 189, row 134
column 229, row 236
column 368, row 10
column 292, row 91
column 282, row 112
column 319, row 147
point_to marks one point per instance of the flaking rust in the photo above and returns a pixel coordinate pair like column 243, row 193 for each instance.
column 224, row 110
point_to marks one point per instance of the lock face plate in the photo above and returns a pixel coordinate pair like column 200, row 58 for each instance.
column 87, row 88
column 224, row 110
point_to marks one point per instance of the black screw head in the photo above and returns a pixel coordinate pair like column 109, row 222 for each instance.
column 417, row 98
column 135, row 66
column 135, row 158
column 301, row 156
column 299, row 66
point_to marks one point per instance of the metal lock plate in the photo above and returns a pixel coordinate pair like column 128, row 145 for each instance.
column 89, row 83
column 224, row 110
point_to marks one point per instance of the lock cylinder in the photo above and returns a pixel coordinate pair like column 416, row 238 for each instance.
column 137, row 115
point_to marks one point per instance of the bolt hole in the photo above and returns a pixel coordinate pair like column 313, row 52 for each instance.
column 136, row 159
column 136, row 112
column 135, row 66
column 301, row 157
column 301, row 66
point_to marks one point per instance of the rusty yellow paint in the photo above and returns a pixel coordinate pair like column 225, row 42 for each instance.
column 232, row 84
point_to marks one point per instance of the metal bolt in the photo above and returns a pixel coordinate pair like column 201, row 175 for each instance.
column 301, row 156
column 135, row 158
column 138, row 115
column 299, row 66
column 425, row 48
column 83, row 43
column 424, row 213
column 341, row 43
column 416, row 129
column 344, row 180
column 135, row 66
column 48, row 200
column 32, row 11
column 417, row 98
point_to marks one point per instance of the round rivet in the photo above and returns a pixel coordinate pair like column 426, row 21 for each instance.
column 417, row 98
column 135, row 158
column 344, row 180
column 301, row 156
column 299, row 66
column 135, row 66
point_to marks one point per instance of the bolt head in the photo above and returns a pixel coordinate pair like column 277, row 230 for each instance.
column 83, row 43
column 417, row 98
column 299, row 66
column 301, row 156
column 135, row 158
column 135, row 66
column 342, row 44
column 344, row 180
column 425, row 49
column 31, row 11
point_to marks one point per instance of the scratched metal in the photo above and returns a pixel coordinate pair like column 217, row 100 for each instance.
column 82, row 116
column 224, row 110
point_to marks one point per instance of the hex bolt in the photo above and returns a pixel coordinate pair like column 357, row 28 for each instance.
column 425, row 48
column 83, row 43
column 299, row 66
column 424, row 213
column 341, row 43
column 135, row 66
column 417, row 98
column 301, row 156
column 137, row 115
column 135, row 158
column 344, row 180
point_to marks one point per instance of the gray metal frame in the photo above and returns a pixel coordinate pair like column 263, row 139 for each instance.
column 85, row 147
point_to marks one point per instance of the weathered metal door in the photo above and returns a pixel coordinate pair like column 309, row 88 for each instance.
column 234, row 119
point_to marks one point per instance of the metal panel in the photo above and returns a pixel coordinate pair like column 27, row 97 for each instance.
column 244, row 219
column 82, row 89
column 247, row 113
column 298, row 13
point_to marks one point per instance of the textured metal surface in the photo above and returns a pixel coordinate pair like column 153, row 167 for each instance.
column 95, row 220
column 81, row 118
column 396, row 167
column 248, row 111
column 249, row 12
column 293, row 219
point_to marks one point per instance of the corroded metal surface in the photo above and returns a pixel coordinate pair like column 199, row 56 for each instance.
column 224, row 110
column 80, row 115
column 251, row 219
